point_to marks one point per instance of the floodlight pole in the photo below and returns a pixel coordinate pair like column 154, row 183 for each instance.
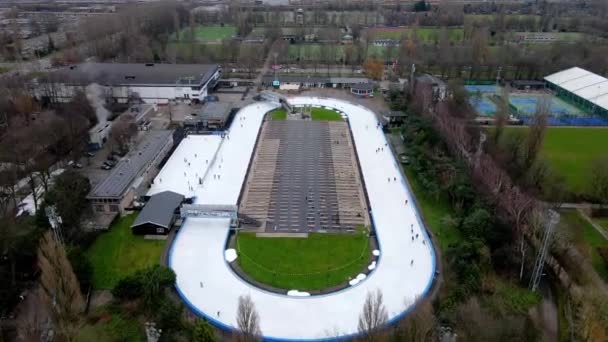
column 542, row 253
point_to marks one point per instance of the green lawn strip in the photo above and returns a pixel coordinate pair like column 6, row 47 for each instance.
column 112, row 328
column 317, row 262
column 322, row 114
column 424, row 34
column 586, row 238
column 118, row 253
column 572, row 150
column 603, row 222
column 209, row 32
column 435, row 212
column 279, row 114
column 510, row 299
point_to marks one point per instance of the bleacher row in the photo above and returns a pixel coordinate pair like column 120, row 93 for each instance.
column 303, row 179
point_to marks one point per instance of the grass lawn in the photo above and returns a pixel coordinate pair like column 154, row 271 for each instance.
column 571, row 151
column 510, row 299
column 317, row 262
column 602, row 222
column 424, row 34
column 208, row 32
column 586, row 239
column 322, row 114
column 118, row 253
column 436, row 213
column 112, row 328
column 278, row 114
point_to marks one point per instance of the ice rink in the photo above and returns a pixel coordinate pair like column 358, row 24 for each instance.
column 405, row 269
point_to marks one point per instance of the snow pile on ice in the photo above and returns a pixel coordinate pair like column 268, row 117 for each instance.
column 230, row 255
column 372, row 265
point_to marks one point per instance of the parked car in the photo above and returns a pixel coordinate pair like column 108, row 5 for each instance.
column 90, row 154
column 105, row 167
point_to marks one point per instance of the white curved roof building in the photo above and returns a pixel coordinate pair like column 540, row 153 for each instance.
column 583, row 87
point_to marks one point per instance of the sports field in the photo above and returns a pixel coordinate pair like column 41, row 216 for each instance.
column 424, row 34
column 208, row 33
column 279, row 114
column 572, row 150
column 317, row 262
column 526, row 105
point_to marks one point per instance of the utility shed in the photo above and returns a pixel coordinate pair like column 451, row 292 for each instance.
column 158, row 214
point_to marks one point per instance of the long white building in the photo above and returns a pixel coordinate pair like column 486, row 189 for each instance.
column 152, row 83
column 582, row 87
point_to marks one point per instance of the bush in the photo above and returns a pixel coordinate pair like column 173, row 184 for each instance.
column 603, row 252
column 148, row 284
column 83, row 269
column 129, row 287
column 169, row 317
column 203, row 332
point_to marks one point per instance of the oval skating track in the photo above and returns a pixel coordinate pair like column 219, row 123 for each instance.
column 205, row 280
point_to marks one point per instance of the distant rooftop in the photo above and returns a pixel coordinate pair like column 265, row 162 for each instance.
column 215, row 111
column 363, row 86
column 137, row 74
column 125, row 172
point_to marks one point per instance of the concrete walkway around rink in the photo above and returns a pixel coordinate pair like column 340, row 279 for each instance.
column 207, row 284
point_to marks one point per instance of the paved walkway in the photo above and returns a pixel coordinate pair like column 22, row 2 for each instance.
column 597, row 227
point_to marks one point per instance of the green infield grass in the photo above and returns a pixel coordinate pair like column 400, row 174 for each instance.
column 322, row 114
column 278, row 114
column 317, row 262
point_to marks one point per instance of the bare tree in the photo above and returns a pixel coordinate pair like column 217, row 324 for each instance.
column 123, row 130
column 419, row 325
column 60, row 288
column 536, row 134
column 248, row 320
column 373, row 316
column 502, row 115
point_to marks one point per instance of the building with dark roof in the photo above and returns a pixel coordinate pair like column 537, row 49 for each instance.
column 159, row 214
column 393, row 118
column 212, row 116
column 139, row 166
column 152, row 83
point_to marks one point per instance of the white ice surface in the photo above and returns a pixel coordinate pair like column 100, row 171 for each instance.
column 197, row 254
column 177, row 176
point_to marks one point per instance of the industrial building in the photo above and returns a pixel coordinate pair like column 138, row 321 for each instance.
column 581, row 87
column 135, row 170
column 150, row 83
